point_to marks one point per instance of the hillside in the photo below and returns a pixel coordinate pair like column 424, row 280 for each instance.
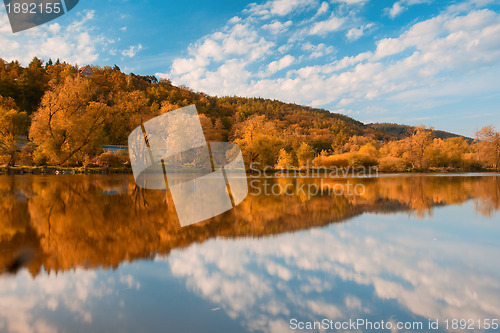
column 401, row 131
column 68, row 116
column 27, row 85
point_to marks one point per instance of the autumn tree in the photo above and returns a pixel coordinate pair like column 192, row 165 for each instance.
column 356, row 142
column 285, row 159
column 259, row 140
column 214, row 132
column 33, row 82
column 130, row 109
column 449, row 152
column 488, row 146
column 13, row 123
column 417, row 143
column 58, row 73
column 394, row 149
column 369, row 150
column 305, row 154
column 69, row 123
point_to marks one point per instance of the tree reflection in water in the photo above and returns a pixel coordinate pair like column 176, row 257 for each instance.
column 99, row 221
column 271, row 259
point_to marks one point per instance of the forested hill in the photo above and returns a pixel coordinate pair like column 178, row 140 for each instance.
column 68, row 116
column 401, row 131
column 27, row 85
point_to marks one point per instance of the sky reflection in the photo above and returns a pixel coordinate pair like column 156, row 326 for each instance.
column 379, row 267
column 409, row 250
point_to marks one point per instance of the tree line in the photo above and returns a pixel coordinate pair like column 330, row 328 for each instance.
column 51, row 222
column 66, row 118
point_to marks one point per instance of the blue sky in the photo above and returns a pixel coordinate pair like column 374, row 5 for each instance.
column 407, row 61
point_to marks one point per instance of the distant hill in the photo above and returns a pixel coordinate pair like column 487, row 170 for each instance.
column 263, row 127
column 26, row 86
column 398, row 131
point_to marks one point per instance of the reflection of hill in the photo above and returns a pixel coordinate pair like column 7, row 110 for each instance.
column 72, row 221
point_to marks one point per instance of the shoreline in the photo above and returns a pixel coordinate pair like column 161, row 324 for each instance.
column 55, row 170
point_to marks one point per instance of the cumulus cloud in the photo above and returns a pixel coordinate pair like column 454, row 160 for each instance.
column 277, row 7
column 277, row 27
column 75, row 43
column 352, row 2
column 318, row 50
column 314, row 277
column 132, row 51
column 457, row 44
column 41, row 304
column 234, row 19
column 284, row 7
column 23, row 298
column 324, row 27
column 322, row 9
column 278, row 65
column 396, row 9
column 400, row 6
column 356, row 33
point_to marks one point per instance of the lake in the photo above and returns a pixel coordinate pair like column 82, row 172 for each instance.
column 92, row 253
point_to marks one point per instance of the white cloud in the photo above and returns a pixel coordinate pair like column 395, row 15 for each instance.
column 454, row 45
column 132, row 51
column 400, row 6
column 324, row 27
column 278, row 65
column 284, row 7
column 317, row 51
column 69, row 296
column 277, row 7
column 352, row 2
column 323, row 9
column 396, row 9
column 54, row 28
column 308, row 278
column 356, row 33
column 76, row 43
column 23, row 297
column 277, row 27
column 235, row 19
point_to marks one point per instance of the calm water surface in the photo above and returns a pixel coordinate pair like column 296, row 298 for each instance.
column 101, row 256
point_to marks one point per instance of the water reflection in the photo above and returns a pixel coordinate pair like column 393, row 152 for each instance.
column 373, row 268
column 414, row 248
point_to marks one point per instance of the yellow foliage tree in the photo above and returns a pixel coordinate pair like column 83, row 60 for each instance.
column 285, row 159
column 12, row 124
column 417, row 143
column 305, row 154
column 488, row 146
column 69, row 123
column 259, row 141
